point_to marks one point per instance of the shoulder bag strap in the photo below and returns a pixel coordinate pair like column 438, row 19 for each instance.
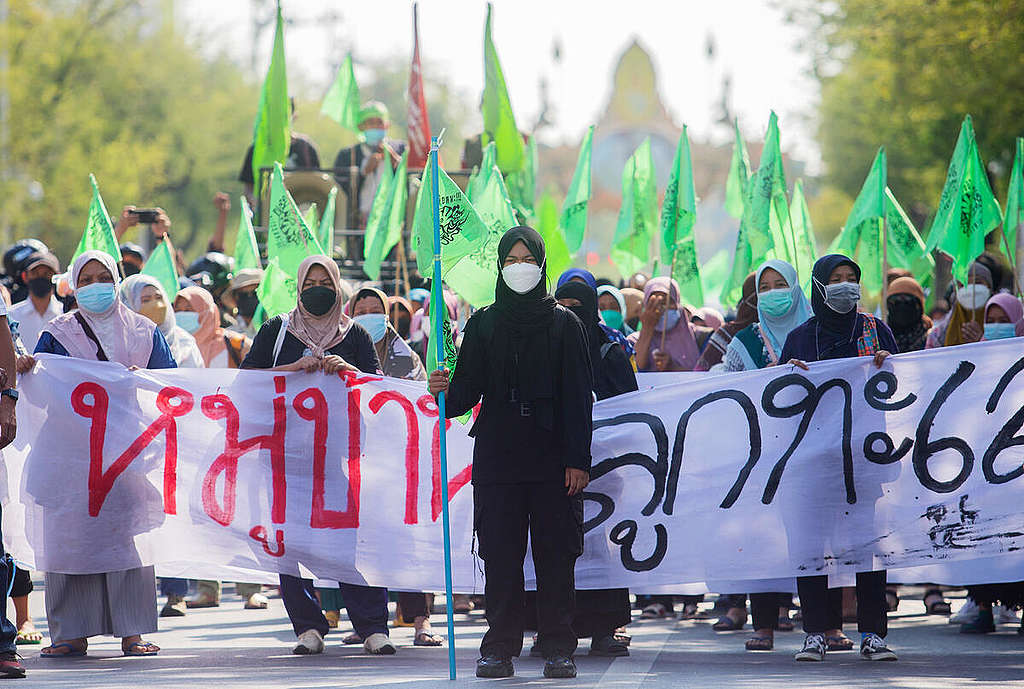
column 100, row 354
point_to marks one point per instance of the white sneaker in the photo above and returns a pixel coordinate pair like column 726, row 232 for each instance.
column 967, row 614
column 872, row 647
column 814, row 648
column 257, row 601
column 310, row 643
column 1003, row 615
column 379, row 645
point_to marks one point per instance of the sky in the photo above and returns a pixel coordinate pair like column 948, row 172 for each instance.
column 752, row 44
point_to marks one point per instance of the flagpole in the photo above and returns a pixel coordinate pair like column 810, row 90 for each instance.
column 439, row 344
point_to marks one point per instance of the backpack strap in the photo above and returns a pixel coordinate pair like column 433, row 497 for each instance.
column 279, row 342
column 100, row 354
column 607, row 347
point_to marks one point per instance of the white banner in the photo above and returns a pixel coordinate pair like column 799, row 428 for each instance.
column 767, row 474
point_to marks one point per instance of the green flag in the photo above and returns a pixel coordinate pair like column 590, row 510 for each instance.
column 99, row 232
column 638, row 215
column 462, row 230
column 161, row 265
column 866, row 215
column 289, row 238
column 906, row 249
column 803, row 234
column 342, row 102
column 555, row 248
column 967, row 209
column 272, row 136
column 325, row 232
column 376, row 220
column 473, row 278
column 573, row 219
column 277, row 290
column 247, row 251
column 714, row 272
column 739, row 175
column 437, row 305
column 310, row 217
column 1014, row 204
column 387, row 230
column 477, row 180
column 522, row 185
column 678, row 215
column 499, row 122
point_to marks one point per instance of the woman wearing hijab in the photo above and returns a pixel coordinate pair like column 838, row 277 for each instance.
column 103, row 328
column 668, row 341
column 197, row 312
column 1004, row 317
column 781, row 307
column 837, row 331
column 708, row 317
column 587, row 278
column 599, row 613
column 421, row 341
column 528, row 358
column 612, row 309
column 145, row 295
column 746, row 313
column 905, row 314
column 320, row 337
column 400, row 313
column 966, row 320
column 634, row 306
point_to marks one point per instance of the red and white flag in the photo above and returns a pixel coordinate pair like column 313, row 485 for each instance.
column 419, row 121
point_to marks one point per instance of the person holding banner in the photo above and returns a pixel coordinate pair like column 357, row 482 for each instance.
column 317, row 336
column 836, row 331
column 103, row 328
column 529, row 360
column 746, row 313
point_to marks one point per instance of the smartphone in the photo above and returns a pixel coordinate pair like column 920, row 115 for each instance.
column 145, row 215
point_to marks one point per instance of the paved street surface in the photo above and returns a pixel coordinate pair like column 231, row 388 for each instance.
column 229, row 647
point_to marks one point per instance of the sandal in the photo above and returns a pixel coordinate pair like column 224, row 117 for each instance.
column 939, row 605
column 352, row 639
column 625, row 639
column 202, row 602
column 72, row 652
column 839, row 643
column 728, row 624
column 760, row 643
column 785, row 624
column 28, row 637
column 654, row 611
column 141, row 648
column 428, row 639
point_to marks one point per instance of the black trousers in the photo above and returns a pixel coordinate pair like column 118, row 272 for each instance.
column 823, row 607
column 503, row 516
column 764, row 607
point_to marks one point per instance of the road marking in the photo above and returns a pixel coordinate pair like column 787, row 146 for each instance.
column 631, row 671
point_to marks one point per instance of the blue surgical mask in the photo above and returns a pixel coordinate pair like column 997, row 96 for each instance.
column 1000, row 331
column 669, row 320
column 775, row 302
column 187, row 321
column 374, row 323
column 97, row 297
column 373, row 137
column 612, row 318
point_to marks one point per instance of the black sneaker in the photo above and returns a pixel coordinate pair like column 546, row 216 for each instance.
column 872, row 647
column 608, row 647
column 10, row 665
column 559, row 667
column 494, row 666
column 813, row 650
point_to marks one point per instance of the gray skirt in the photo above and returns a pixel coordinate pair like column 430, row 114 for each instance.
column 111, row 603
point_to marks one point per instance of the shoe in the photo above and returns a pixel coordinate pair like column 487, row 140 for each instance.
column 379, row 645
column 310, row 643
column 175, row 607
column 608, row 647
column 333, row 618
column 10, row 665
column 872, row 647
column 984, row 623
column 494, row 667
column 967, row 614
column 257, row 601
column 559, row 667
column 1003, row 615
column 203, row 601
column 814, row 648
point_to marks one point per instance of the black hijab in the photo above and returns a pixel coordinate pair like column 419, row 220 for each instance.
column 833, row 330
column 536, row 308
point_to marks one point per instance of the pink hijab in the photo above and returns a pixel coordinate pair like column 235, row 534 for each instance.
column 126, row 337
column 1013, row 308
column 210, row 336
column 320, row 333
column 680, row 343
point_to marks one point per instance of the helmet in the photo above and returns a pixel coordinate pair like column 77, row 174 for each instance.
column 212, row 270
column 16, row 256
column 132, row 248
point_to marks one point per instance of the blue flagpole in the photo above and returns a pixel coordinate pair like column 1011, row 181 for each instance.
column 437, row 303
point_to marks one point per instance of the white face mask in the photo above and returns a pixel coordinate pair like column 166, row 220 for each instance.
column 973, row 296
column 521, row 277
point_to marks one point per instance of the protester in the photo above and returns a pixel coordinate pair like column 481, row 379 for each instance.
column 121, row 603
column 16, row 257
column 319, row 337
column 746, row 313
column 241, row 297
column 421, row 342
column 612, row 309
column 1004, row 317
column 906, row 319
column 965, row 322
column 528, row 358
column 587, row 278
column 146, row 296
column 400, row 313
column 667, row 340
column 302, row 154
column 638, row 281
column 196, row 312
column 634, row 305
column 42, row 306
column 213, row 272
column 836, row 331
column 707, row 317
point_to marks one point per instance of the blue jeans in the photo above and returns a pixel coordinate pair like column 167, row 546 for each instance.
column 170, row 586
column 367, row 607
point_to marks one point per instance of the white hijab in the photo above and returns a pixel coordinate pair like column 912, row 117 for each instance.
column 183, row 346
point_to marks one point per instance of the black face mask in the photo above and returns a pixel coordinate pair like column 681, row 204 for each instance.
column 247, row 303
column 130, row 269
column 318, row 300
column 904, row 311
column 40, row 287
column 403, row 327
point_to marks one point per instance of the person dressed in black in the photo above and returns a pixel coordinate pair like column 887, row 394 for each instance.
column 838, row 331
column 302, row 154
column 599, row 612
column 320, row 337
column 529, row 360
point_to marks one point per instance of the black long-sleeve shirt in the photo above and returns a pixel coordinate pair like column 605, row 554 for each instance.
column 356, row 348
column 510, row 447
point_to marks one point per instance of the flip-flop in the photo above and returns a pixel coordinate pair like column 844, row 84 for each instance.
column 352, row 640
column 72, row 652
column 428, row 639
column 760, row 643
column 154, row 649
column 728, row 624
column 785, row 624
column 29, row 638
column 839, row 643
